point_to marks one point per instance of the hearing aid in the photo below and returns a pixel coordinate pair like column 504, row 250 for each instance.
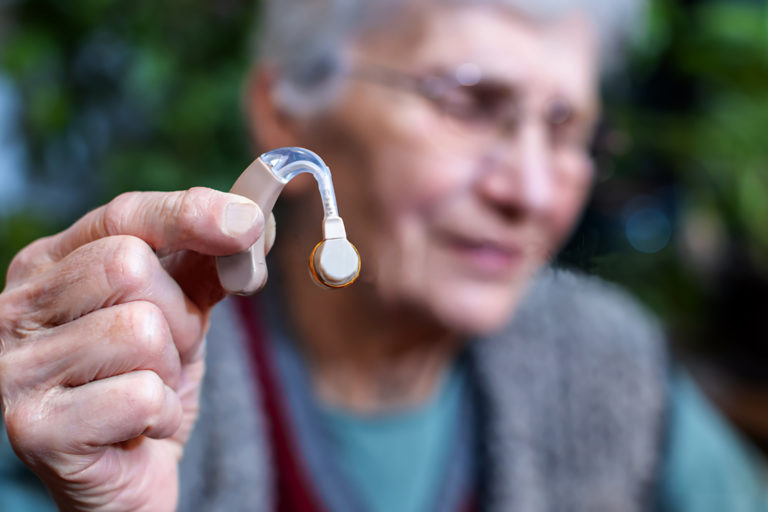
column 333, row 263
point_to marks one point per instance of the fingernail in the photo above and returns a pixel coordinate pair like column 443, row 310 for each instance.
column 240, row 217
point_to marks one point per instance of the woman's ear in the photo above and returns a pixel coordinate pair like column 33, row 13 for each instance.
column 270, row 126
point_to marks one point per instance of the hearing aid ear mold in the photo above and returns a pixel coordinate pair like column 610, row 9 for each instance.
column 334, row 261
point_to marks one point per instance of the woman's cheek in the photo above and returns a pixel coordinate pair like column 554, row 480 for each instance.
column 570, row 198
column 418, row 182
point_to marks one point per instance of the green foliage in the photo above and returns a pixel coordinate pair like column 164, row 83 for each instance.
column 146, row 95
column 122, row 96
column 694, row 108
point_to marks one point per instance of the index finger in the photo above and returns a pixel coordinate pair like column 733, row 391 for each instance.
column 199, row 219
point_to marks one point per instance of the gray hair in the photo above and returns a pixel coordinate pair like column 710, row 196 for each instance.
column 302, row 39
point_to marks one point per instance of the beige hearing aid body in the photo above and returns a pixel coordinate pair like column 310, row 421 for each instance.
column 334, row 262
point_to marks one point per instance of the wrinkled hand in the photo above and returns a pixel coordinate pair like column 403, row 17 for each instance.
column 101, row 343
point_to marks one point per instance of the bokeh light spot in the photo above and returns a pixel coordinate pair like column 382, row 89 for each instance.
column 648, row 230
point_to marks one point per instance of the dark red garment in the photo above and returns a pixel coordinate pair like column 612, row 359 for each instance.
column 295, row 493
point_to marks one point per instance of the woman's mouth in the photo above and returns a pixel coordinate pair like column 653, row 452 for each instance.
column 486, row 257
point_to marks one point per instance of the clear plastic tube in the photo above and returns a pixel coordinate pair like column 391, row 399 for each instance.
column 287, row 163
column 334, row 261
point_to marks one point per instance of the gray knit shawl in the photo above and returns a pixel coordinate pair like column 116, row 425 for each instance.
column 575, row 394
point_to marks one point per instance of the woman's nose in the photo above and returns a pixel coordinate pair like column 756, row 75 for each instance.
column 520, row 178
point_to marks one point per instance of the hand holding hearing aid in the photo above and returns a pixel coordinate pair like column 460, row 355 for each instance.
column 334, row 262
column 99, row 381
column 101, row 343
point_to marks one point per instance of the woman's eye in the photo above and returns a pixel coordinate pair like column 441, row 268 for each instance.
column 560, row 113
column 562, row 124
column 479, row 103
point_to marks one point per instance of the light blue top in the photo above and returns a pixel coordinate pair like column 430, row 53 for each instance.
column 418, row 459
column 707, row 468
column 395, row 461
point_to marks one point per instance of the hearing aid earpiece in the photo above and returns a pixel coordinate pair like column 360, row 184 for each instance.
column 334, row 262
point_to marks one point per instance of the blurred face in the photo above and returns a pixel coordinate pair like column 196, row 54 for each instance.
column 459, row 155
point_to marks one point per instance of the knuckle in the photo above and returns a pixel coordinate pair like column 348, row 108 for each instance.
column 116, row 212
column 148, row 327
column 7, row 378
column 129, row 267
column 27, row 260
column 23, row 422
column 4, row 370
column 149, row 395
column 7, row 316
column 11, row 370
column 20, row 262
column 17, row 320
column 189, row 208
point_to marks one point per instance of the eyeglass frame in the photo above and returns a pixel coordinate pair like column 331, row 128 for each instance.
column 433, row 87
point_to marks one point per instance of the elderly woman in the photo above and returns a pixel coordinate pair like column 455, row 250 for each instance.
column 457, row 374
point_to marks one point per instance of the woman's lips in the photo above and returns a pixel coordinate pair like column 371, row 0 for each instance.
column 487, row 258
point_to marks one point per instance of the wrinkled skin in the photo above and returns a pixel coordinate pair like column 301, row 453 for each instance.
column 101, row 339
column 448, row 225
column 101, row 356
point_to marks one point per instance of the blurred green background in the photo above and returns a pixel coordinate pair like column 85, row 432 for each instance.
column 99, row 97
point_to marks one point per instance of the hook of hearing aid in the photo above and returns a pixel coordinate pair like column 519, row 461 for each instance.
column 334, row 262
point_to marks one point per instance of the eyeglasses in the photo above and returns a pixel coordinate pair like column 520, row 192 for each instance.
column 482, row 110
